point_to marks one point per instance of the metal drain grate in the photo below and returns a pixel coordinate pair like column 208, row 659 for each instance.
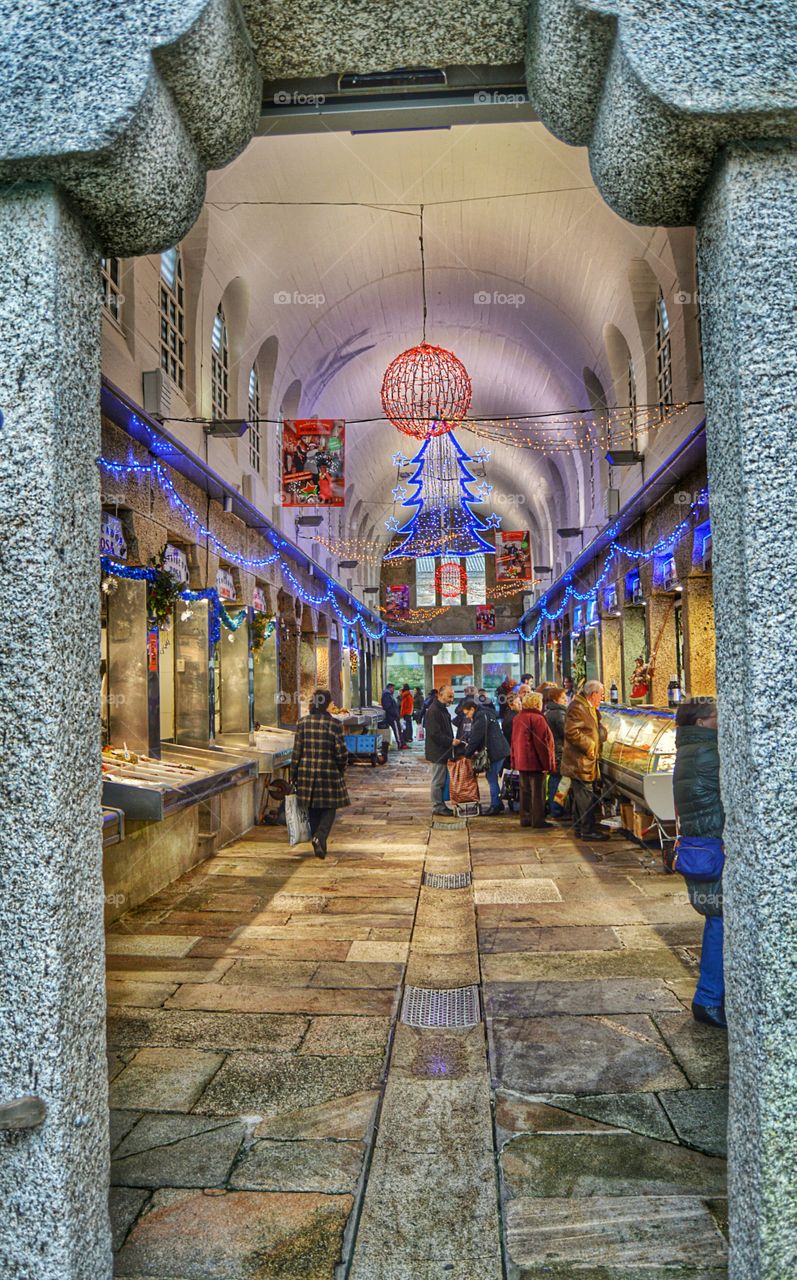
column 452, row 1007
column 452, row 880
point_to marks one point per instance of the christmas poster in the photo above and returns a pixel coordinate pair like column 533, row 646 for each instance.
column 512, row 556
column 313, row 462
column 397, row 600
column 485, row 617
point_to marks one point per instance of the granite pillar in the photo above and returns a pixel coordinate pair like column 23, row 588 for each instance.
column 611, row 654
column 53, row 1178
column 474, row 649
column 661, row 642
column 700, row 658
column 747, row 252
column 289, row 673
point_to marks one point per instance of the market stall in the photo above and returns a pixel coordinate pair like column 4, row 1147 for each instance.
column 638, row 759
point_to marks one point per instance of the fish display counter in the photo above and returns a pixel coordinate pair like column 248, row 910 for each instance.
column 638, row 757
column 150, row 790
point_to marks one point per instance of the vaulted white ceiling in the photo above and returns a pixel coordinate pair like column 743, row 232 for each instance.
column 330, row 222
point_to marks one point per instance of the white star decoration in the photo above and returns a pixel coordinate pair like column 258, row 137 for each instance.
column 399, row 493
column 484, row 490
column 493, row 521
column 392, row 524
column 483, row 455
column 399, row 459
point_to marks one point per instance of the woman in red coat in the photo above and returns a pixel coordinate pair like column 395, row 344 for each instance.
column 533, row 757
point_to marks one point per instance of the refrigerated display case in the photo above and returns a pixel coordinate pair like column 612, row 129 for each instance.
column 638, row 756
column 150, row 790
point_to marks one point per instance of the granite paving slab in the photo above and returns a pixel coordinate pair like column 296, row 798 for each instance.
column 362, row 974
column 536, row 938
column 255, row 999
column 636, row 1112
column 437, row 1115
column 240, row 1235
column 378, row 952
column 701, row 1052
column 525, row 967
column 138, row 994
column 288, row 947
column 443, row 971
column 270, row 1165
column 124, row 1206
column 164, row 1079
column 121, row 1122
column 501, row 891
column 268, row 1084
column 198, row 1029
column 589, row 995
column 441, row 941
column 393, row 906
column 148, row 944
column 269, row 972
column 515, row 1114
column 607, row 1164
column 350, row 1116
column 176, row 1151
column 163, row 970
column 699, row 1117
column 342, row 1035
column 563, row 1054
column 563, row 1238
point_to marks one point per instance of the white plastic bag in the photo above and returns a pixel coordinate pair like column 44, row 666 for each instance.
column 297, row 821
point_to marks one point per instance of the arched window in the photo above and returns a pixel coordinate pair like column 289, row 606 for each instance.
column 663, row 355
column 220, row 367
column 111, row 269
column 172, row 309
column 255, row 438
column 632, row 404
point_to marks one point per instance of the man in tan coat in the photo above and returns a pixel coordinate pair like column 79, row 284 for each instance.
column 581, row 757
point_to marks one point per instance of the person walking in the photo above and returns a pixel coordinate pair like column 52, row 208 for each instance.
column 406, row 707
column 533, row 757
column 417, row 705
column 440, row 746
column 318, row 767
column 581, row 756
column 486, row 735
column 701, row 817
column 555, row 712
column 391, row 710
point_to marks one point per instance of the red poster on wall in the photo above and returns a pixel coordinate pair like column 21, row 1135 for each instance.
column 485, row 617
column 397, row 600
column 313, row 462
column 512, row 556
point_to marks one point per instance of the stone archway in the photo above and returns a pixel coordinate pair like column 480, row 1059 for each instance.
column 672, row 142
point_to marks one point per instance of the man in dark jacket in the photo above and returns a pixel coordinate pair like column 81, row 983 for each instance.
column 555, row 712
column 696, row 787
column 581, row 757
column 391, row 710
column 485, row 731
column 439, row 746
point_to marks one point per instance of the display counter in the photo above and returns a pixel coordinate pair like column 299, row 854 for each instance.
column 113, row 827
column 272, row 747
column 638, row 756
column 151, row 790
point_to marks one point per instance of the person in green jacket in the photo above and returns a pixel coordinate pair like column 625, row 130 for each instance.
column 696, row 786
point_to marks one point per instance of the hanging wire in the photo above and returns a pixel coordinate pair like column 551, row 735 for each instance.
column 423, row 269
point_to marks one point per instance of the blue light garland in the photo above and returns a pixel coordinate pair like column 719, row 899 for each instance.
column 157, row 472
column 444, row 521
column 615, row 549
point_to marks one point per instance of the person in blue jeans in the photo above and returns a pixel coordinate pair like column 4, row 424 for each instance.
column 486, row 732
column 696, row 786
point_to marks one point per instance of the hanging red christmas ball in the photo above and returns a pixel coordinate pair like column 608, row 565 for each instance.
column 426, row 391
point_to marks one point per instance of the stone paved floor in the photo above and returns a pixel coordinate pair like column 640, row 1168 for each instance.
column 273, row 1118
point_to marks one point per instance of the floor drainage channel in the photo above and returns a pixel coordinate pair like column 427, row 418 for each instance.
column 452, row 880
column 449, row 1007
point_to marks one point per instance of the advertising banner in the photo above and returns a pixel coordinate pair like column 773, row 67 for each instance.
column 485, row 617
column 175, row 561
column 225, row 585
column 512, row 556
column 397, row 600
column 112, row 538
column 259, row 602
column 313, row 462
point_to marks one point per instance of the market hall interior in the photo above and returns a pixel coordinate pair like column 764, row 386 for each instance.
column 349, row 357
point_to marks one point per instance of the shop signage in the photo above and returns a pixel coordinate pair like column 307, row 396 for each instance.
column 152, row 650
column 397, row 600
column 175, row 561
column 333, row 630
column 633, row 587
column 592, row 612
column 112, row 538
column 578, row 619
column 485, row 617
column 259, row 600
column 225, row 585
column 512, row 556
column 312, row 462
column 610, row 598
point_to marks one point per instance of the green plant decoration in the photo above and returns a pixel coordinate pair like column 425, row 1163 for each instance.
column 162, row 592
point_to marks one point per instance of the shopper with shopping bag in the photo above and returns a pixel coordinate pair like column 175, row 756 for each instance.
column 486, row 747
column 533, row 757
column 318, row 766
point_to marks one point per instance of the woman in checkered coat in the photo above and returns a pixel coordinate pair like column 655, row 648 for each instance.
column 318, row 766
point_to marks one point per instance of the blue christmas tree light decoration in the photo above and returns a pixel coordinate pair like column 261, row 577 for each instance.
column 444, row 522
